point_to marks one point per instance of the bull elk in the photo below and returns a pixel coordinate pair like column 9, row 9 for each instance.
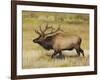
column 55, row 40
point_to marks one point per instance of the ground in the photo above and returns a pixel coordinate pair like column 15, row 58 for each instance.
column 35, row 59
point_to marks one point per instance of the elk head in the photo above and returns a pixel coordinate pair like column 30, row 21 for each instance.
column 44, row 33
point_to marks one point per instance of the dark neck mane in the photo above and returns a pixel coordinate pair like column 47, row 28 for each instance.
column 47, row 43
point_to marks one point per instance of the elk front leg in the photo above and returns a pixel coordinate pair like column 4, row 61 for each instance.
column 54, row 54
column 61, row 56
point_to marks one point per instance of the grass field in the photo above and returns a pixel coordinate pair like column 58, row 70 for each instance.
column 34, row 56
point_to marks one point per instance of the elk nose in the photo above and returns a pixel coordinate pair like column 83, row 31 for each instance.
column 33, row 40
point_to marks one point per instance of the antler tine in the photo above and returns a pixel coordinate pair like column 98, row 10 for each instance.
column 59, row 29
column 47, row 27
column 41, row 30
column 52, row 32
column 37, row 32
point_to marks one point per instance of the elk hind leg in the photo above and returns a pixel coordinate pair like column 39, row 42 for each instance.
column 81, row 51
column 78, row 52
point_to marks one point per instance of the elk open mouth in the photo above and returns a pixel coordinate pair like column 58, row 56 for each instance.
column 35, row 41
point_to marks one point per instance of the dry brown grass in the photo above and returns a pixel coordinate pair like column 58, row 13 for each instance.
column 38, row 59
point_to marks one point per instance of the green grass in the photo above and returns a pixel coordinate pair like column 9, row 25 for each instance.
column 34, row 56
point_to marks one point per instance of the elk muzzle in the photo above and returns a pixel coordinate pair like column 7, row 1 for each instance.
column 35, row 41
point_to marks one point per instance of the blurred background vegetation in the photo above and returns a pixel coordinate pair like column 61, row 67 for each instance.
column 50, row 17
column 34, row 56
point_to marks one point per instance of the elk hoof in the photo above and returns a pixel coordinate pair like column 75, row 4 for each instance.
column 60, row 57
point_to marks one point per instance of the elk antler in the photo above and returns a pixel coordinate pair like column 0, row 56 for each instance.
column 54, row 31
column 47, row 28
column 43, row 32
column 37, row 32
